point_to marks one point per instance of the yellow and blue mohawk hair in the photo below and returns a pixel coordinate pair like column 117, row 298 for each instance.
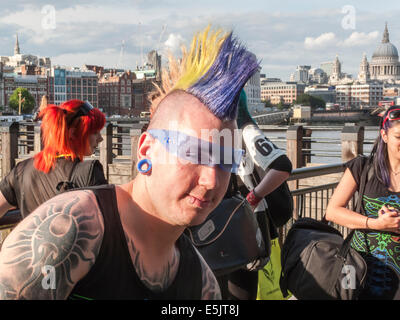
column 214, row 70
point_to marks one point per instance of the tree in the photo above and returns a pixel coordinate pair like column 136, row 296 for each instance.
column 267, row 104
column 28, row 103
column 309, row 100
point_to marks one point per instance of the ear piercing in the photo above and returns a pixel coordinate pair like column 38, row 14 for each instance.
column 140, row 165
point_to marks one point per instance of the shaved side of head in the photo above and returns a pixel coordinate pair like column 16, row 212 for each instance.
column 178, row 106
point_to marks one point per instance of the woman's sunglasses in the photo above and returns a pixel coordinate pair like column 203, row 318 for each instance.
column 391, row 115
column 84, row 109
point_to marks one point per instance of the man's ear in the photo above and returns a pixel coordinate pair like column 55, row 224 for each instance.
column 145, row 145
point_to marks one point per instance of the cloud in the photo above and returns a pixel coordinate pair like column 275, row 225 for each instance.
column 361, row 38
column 174, row 43
column 324, row 40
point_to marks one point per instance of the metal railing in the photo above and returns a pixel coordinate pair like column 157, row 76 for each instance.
column 26, row 139
column 121, row 144
column 312, row 201
column 309, row 201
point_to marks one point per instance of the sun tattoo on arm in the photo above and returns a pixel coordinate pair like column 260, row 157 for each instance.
column 64, row 234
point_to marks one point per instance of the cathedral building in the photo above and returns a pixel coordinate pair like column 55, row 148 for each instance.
column 20, row 63
column 384, row 65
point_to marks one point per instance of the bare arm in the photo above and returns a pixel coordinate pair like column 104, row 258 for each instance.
column 4, row 205
column 338, row 213
column 52, row 249
column 272, row 180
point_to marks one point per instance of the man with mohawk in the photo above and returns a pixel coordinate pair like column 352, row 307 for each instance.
column 126, row 242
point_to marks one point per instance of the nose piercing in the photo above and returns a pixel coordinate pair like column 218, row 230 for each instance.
column 140, row 165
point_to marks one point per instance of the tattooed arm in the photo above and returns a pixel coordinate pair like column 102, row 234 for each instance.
column 52, row 249
column 211, row 290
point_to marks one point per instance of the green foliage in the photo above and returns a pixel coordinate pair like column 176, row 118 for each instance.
column 27, row 105
column 280, row 105
column 267, row 104
column 308, row 100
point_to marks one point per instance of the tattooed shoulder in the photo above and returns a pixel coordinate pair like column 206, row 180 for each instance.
column 211, row 290
column 52, row 249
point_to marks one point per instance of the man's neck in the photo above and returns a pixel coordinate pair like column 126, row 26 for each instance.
column 142, row 224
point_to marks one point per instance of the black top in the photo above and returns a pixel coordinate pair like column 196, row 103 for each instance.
column 113, row 275
column 381, row 250
column 26, row 187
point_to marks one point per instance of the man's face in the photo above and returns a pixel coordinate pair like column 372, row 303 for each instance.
column 184, row 193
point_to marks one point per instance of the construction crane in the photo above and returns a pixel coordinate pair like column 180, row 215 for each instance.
column 161, row 34
column 121, row 55
column 141, row 44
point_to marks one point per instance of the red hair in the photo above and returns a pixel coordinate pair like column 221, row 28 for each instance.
column 56, row 137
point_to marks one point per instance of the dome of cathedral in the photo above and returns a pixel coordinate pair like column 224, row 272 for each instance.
column 385, row 50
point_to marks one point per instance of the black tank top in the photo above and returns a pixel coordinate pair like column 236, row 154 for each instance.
column 113, row 275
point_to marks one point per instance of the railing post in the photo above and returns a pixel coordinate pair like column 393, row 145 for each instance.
column 106, row 152
column 294, row 145
column 307, row 145
column 352, row 137
column 29, row 134
column 9, row 146
column 37, row 139
column 117, row 139
column 135, row 133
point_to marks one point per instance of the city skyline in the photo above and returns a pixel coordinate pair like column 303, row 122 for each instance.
column 283, row 34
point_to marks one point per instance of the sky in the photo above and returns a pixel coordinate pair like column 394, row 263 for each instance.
column 282, row 34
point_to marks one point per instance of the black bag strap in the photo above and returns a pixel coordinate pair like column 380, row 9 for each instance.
column 365, row 175
column 66, row 185
column 234, row 183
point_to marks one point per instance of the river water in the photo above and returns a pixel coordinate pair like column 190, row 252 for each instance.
column 324, row 152
column 329, row 150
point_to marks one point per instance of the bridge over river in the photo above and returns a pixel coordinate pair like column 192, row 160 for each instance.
column 363, row 117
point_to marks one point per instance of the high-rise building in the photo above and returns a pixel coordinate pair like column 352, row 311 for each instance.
column 287, row 92
column 327, row 67
column 253, row 90
column 72, row 83
column 359, row 95
column 301, row 74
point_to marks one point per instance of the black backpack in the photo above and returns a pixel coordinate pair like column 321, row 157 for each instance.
column 79, row 176
column 315, row 258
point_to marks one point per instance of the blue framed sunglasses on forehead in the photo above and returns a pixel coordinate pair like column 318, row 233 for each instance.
column 198, row 151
